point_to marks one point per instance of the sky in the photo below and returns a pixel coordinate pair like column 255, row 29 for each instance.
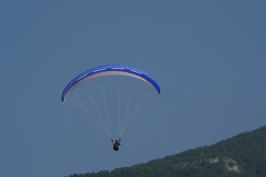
column 209, row 58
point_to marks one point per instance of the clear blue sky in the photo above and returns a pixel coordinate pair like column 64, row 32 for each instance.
column 208, row 56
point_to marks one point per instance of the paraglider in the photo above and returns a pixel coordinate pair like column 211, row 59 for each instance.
column 111, row 89
column 116, row 144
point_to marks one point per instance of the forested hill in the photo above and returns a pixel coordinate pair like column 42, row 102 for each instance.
column 242, row 155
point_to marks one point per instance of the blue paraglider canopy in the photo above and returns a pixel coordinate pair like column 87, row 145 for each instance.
column 113, row 69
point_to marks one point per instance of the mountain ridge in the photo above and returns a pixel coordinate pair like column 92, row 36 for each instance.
column 240, row 155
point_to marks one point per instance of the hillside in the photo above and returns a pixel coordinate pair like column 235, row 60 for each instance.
column 242, row 155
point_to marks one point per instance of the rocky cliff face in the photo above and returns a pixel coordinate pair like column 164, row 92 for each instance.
column 230, row 164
